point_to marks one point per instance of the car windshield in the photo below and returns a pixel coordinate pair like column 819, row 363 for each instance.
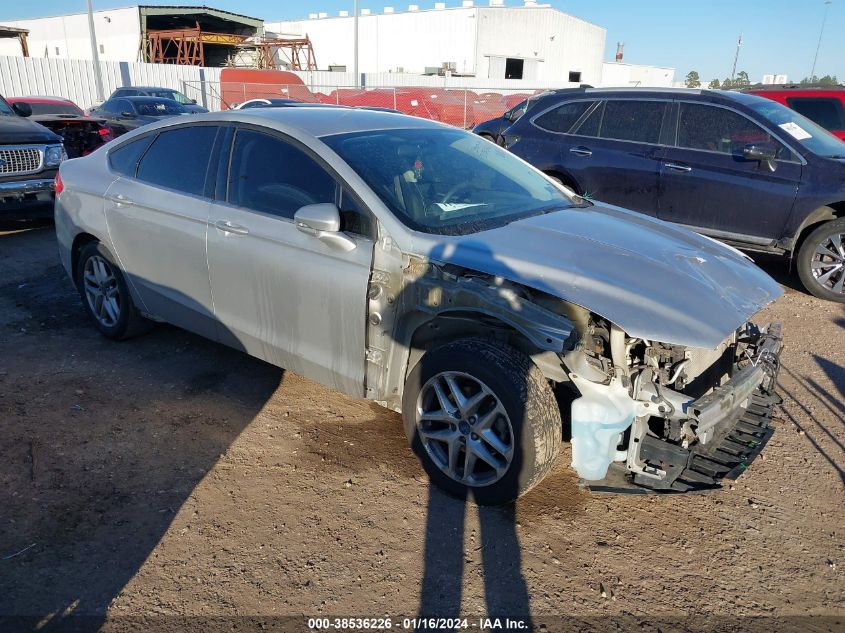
column 447, row 182
column 811, row 135
column 5, row 108
column 54, row 108
column 177, row 96
column 159, row 108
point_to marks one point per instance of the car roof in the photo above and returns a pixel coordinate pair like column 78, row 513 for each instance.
column 705, row 94
column 148, row 99
column 320, row 122
column 40, row 99
column 147, row 88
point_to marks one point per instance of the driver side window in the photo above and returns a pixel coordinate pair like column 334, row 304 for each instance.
column 272, row 176
column 714, row 129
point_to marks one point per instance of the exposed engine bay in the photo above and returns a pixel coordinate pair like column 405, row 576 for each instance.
column 643, row 416
column 668, row 417
column 79, row 136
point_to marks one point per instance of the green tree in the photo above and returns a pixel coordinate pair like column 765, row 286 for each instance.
column 742, row 80
column 714, row 85
column 827, row 80
column 693, row 80
column 728, row 83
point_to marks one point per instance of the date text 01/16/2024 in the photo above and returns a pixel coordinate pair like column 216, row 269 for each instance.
column 387, row 623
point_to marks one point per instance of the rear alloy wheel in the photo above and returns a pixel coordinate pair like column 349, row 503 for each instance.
column 821, row 261
column 482, row 419
column 105, row 295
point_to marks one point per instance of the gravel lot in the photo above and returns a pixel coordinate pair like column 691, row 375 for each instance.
column 170, row 476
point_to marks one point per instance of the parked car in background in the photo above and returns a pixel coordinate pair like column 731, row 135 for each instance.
column 30, row 155
column 269, row 102
column 824, row 104
column 81, row 134
column 128, row 113
column 162, row 93
column 417, row 265
column 278, row 102
column 493, row 129
column 737, row 167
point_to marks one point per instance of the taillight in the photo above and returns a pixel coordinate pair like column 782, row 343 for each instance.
column 60, row 186
column 106, row 134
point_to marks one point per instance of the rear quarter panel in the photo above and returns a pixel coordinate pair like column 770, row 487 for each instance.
column 79, row 208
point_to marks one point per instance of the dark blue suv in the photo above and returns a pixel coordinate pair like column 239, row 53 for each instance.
column 737, row 167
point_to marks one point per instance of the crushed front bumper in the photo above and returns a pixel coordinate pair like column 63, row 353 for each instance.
column 733, row 420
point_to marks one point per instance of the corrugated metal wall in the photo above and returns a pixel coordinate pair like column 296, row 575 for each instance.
column 74, row 79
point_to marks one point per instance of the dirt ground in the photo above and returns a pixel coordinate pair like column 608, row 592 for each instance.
column 168, row 477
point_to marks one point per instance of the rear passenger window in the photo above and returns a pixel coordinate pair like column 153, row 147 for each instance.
column 637, row 121
column 827, row 112
column 178, row 159
column 124, row 159
column 715, row 129
column 563, row 117
column 270, row 175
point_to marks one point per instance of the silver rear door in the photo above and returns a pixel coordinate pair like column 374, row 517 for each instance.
column 158, row 223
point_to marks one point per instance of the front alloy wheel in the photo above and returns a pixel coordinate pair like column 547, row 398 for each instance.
column 821, row 261
column 482, row 419
column 464, row 428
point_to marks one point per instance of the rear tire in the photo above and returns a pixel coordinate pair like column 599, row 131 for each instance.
column 821, row 261
column 105, row 294
column 517, row 420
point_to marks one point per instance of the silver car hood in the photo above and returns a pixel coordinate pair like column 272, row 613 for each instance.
column 654, row 280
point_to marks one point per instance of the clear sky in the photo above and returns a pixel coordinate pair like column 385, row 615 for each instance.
column 779, row 36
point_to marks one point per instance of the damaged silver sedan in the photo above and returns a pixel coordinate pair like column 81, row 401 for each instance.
column 419, row 266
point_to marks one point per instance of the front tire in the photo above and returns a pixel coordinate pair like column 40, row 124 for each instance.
column 821, row 261
column 482, row 419
column 105, row 295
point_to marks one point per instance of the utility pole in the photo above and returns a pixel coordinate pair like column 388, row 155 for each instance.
column 95, row 54
column 821, row 31
column 736, row 57
column 355, row 44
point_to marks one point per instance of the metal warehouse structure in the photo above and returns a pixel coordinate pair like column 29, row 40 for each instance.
column 529, row 42
column 186, row 35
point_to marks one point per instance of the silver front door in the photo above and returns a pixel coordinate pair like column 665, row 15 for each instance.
column 279, row 294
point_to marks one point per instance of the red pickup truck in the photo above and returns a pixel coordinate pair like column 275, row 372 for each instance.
column 824, row 105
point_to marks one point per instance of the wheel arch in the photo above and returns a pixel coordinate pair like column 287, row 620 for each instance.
column 79, row 242
column 565, row 178
column 418, row 332
column 829, row 212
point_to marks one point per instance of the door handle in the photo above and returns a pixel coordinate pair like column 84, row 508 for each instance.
column 120, row 200
column 228, row 227
column 580, row 151
column 676, row 167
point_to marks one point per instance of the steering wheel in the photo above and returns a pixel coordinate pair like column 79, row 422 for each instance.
column 460, row 186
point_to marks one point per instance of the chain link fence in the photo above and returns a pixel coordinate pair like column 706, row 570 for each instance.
column 461, row 107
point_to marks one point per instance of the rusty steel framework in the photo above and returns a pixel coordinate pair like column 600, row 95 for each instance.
column 299, row 52
column 186, row 47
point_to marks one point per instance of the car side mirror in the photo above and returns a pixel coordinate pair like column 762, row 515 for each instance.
column 192, row 101
column 22, row 109
column 761, row 154
column 323, row 222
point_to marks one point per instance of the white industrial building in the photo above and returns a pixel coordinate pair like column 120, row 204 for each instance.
column 531, row 41
column 535, row 45
column 120, row 32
